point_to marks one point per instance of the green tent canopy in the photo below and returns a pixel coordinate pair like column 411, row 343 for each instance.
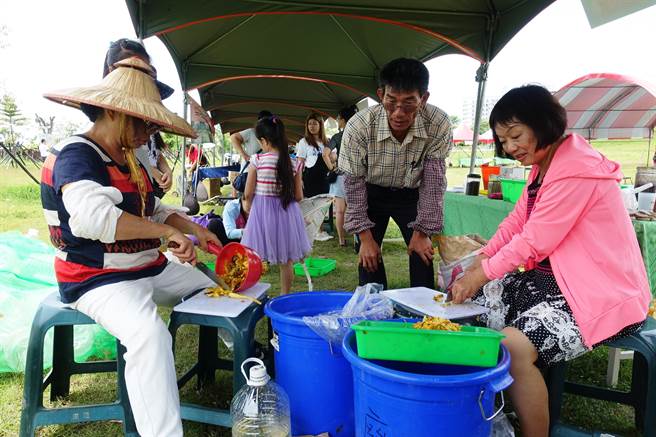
column 293, row 57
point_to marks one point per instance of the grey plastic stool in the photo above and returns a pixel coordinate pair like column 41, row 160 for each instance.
column 53, row 314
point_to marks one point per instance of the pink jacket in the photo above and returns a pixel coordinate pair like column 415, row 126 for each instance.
column 580, row 223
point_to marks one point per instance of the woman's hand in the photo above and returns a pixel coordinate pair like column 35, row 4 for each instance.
column 205, row 236
column 465, row 287
column 166, row 180
column 180, row 246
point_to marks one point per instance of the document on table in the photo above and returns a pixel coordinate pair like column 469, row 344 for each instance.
column 221, row 306
column 420, row 299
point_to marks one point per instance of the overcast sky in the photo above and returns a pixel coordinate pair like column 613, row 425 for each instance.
column 57, row 44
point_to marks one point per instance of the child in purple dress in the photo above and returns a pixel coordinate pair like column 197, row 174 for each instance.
column 275, row 229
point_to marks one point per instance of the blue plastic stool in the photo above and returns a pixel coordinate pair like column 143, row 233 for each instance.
column 642, row 395
column 242, row 331
column 52, row 314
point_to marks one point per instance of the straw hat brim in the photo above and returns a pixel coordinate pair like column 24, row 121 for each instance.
column 130, row 91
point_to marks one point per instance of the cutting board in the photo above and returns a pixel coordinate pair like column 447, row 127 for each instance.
column 420, row 300
column 221, row 306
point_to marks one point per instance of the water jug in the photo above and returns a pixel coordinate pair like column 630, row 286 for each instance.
column 261, row 407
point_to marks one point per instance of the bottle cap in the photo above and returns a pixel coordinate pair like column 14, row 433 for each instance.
column 257, row 375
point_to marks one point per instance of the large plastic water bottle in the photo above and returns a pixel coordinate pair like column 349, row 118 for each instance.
column 261, row 407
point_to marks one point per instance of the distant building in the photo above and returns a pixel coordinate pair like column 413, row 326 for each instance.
column 469, row 110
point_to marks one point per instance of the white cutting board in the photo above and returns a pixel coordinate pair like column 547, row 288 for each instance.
column 221, row 306
column 420, row 299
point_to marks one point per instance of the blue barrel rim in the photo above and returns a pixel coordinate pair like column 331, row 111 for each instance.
column 294, row 320
column 500, row 370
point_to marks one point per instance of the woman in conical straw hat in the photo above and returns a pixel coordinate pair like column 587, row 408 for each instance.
column 107, row 227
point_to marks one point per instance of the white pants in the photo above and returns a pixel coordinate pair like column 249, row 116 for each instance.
column 128, row 311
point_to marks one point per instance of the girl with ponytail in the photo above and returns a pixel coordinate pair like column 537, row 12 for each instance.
column 275, row 229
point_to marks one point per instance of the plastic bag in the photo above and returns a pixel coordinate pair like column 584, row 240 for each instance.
column 449, row 273
column 501, row 427
column 366, row 304
column 26, row 277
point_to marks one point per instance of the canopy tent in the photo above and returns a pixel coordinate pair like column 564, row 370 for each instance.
column 486, row 137
column 609, row 106
column 317, row 55
column 246, row 55
column 463, row 134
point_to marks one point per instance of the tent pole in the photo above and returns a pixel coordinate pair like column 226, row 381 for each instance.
column 651, row 131
column 481, row 78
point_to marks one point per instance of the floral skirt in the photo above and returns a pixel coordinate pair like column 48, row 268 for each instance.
column 532, row 302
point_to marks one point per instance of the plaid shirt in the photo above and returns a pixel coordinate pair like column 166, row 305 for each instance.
column 371, row 154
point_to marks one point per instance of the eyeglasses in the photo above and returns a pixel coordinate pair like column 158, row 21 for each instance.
column 406, row 107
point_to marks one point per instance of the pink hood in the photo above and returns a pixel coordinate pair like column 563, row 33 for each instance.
column 580, row 223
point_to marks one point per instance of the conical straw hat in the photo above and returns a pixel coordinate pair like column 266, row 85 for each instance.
column 129, row 89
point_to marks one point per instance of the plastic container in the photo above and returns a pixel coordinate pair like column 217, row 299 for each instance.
column 424, row 400
column 261, row 407
column 511, row 189
column 316, row 267
column 225, row 254
column 646, row 201
column 399, row 341
column 486, row 171
column 318, row 380
column 472, row 184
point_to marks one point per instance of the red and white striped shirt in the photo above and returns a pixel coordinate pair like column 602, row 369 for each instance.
column 267, row 175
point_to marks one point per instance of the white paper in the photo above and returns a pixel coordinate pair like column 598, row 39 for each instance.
column 420, row 299
column 222, row 306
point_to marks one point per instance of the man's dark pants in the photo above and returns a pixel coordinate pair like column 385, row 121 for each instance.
column 401, row 205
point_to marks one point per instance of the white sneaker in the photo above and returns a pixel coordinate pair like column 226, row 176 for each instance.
column 323, row 236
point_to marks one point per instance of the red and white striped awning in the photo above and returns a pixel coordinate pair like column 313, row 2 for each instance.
column 612, row 106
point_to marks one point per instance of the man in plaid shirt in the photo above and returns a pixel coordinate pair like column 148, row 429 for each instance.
column 393, row 155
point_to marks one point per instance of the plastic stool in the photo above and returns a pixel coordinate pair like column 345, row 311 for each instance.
column 53, row 314
column 642, row 396
column 242, row 331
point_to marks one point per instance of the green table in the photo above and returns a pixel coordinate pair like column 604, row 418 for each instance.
column 480, row 215
column 646, row 233
column 473, row 214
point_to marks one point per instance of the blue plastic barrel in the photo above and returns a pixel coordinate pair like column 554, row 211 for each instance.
column 394, row 398
column 318, row 381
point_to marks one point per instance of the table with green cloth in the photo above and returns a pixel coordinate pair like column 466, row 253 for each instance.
column 480, row 215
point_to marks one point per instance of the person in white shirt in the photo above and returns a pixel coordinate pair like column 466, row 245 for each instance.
column 309, row 151
column 245, row 142
column 43, row 149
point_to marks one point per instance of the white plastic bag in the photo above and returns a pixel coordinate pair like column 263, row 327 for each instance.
column 366, row 304
column 450, row 273
column 501, row 427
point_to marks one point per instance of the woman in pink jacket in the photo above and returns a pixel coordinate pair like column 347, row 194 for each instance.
column 584, row 281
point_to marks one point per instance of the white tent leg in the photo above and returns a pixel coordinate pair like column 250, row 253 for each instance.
column 481, row 78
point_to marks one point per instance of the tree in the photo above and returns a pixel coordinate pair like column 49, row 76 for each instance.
column 483, row 127
column 11, row 117
column 45, row 126
column 455, row 120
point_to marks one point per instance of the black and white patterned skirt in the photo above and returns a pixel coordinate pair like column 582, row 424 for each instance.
column 532, row 303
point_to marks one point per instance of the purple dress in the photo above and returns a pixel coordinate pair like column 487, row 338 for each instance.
column 277, row 234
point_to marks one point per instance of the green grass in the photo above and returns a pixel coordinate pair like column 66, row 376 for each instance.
column 21, row 211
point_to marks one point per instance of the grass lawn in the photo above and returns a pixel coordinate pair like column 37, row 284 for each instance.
column 22, row 211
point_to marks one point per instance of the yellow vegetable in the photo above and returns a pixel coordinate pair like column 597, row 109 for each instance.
column 437, row 323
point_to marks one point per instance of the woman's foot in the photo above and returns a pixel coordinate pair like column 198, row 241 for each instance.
column 342, row 243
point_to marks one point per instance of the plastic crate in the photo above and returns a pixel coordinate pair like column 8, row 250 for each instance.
column 399, row 341
column 511, row 189
column 316, row 266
